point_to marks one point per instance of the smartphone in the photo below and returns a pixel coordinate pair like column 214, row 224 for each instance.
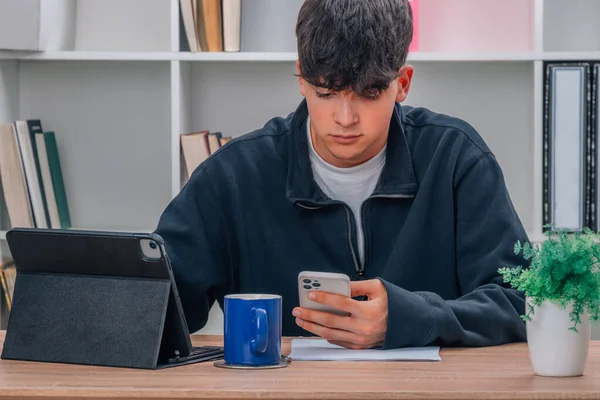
column 324, row 282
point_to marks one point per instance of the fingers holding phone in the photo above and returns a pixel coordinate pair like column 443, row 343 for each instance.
column 328, row 310
column 327, row 282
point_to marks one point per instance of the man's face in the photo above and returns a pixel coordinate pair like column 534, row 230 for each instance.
column 347, row 129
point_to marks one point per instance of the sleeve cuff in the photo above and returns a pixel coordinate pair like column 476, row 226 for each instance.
column 410, row 318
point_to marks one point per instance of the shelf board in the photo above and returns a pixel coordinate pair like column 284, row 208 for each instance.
column 472, row 57
column 570, row 55
column 238, row 56
column 88, row 56
column 148, row 56
column 286, row 56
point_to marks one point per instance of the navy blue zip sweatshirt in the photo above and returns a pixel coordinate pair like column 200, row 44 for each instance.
column 437, row 227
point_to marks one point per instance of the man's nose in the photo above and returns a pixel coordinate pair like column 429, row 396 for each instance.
column 345, row 115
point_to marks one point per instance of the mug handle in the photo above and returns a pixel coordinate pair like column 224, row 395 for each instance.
column 259, row 344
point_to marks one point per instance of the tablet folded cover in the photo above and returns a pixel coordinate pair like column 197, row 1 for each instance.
column 94, row 319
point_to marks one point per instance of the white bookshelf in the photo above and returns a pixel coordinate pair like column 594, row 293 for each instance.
column 289, row 56
column 120, row 98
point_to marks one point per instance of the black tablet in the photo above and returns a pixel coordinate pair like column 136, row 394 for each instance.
column 97, row 298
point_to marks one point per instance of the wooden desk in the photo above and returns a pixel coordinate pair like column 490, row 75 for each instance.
column 501, row 372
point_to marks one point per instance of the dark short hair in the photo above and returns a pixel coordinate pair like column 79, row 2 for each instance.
column 353, row 44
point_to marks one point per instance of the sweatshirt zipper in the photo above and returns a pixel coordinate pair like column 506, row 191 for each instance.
column 361, row 272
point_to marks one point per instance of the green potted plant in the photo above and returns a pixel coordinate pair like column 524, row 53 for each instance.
column 562, row 298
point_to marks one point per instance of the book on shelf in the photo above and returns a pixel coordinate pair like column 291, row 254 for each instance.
column 31, row 167
column 187, row 20
column 214, row 141
column 209, row 20
column 210, row 25
column 196, row 147
column 12, row 174
column 232, row 17
column 8, row 275
column 32, row 180
column 53, row 182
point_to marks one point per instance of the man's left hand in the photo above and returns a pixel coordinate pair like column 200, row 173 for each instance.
column 363, row 329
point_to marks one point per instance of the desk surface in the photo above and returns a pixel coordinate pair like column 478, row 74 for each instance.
column 502, row 372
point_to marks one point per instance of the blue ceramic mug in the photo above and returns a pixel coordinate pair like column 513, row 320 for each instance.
column 252, row 329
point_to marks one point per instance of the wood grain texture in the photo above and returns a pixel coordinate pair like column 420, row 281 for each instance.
column 502, row 372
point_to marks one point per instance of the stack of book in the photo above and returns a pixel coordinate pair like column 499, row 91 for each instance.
column 210, row 25
column 198, row 146
column 31, row 176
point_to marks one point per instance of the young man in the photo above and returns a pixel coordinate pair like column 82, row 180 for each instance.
column 411, row 204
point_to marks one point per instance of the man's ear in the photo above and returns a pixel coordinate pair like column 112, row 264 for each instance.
column 301, row 81
column 404, row 79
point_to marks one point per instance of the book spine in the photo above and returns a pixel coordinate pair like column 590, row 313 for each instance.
column 232, row 16
column 57, row 180
column 35, row 126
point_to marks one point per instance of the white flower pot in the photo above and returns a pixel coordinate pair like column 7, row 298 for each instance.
column 554, row 349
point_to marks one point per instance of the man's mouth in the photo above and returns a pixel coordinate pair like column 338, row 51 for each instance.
column 345, row 139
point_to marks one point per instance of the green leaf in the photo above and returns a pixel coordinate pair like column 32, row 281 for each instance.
column 565, row 269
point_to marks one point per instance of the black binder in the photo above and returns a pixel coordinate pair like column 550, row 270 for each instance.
column 97, row 298
column 550, row 130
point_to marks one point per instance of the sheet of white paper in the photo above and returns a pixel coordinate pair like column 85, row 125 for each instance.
column 321, row 350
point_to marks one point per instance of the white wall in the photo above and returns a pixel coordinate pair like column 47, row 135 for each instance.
column 571, row 25
column 112, row 124
column 123, row 25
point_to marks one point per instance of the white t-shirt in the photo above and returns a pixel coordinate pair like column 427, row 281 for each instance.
column 350, row 185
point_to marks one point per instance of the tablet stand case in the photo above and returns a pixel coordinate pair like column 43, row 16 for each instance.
column 107, row 319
